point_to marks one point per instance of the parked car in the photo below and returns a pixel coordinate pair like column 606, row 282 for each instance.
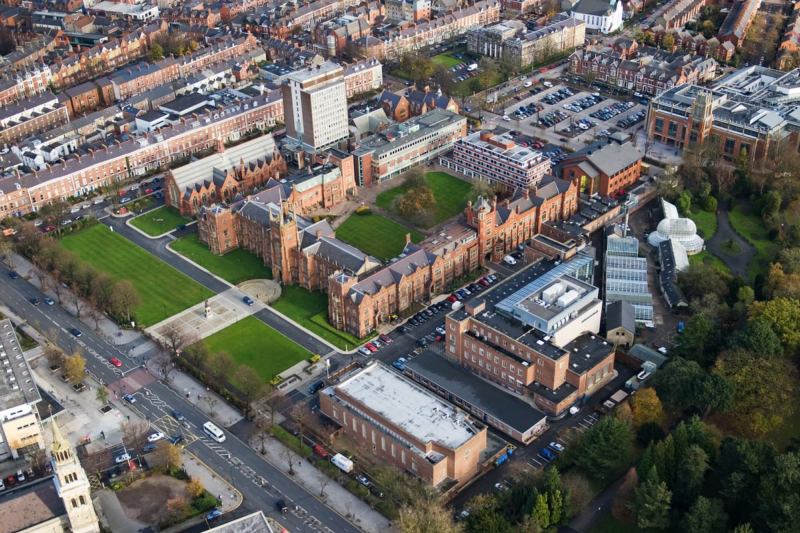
column 121, row 458
column 147, row 448
column 13, row 274
column 155, row 437
column 280, row 505
column 114, row 361
column 20, row 475
column 361, row 478
column 49, row 301
column 557, row 447
column 213, row 514
column 371, row 347
column 35, row 301
column 364, row 351
column 385, row 338
column 400, row 363
column 320, row 451
column 315, row 387
column 375, row 491
column 547, row 454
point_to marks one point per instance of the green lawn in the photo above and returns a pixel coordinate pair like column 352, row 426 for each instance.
column 708, row 258
column 310, row 309
column 163, row 290
column 375, row 235
column 706, row 222
column 253, row 343
column 234, row 267
column 159, row 221
column 752, row 228
column 446, row 59
column 451, row 195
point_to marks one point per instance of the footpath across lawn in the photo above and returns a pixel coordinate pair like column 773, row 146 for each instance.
column 234, row 267
column 310, row 309
column 255, row 344
column 450, row 192
column 751, row 227
column 375, row 235
column 163, row 290
column 159, row 221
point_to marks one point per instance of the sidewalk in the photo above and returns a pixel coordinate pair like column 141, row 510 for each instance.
column 334, row 495
column 197, row 469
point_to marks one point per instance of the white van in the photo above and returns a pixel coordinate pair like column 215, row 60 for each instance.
column 214, row 432
column 509, row 260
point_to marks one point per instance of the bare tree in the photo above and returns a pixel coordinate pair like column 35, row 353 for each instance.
column 175, row 338
column 7, row 252
column 211, row 400
column 125, row 299
column 262, row 433
column 303, row 416
column 134, row 433
column 58, row 288
column 77, row 301
column 164, row 363
column 43, row 278
column 290, row 457
column 96, row 314
column 323, row 483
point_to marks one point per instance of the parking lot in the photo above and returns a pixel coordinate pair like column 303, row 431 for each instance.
column 572, row 116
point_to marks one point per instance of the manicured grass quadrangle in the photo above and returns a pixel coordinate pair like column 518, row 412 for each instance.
column 255, row 344
column 158, row 221
column 375, row 235
column 163, row 290
column 310, row 310
column 450, row 192
column 446, row 59
column 234, row 267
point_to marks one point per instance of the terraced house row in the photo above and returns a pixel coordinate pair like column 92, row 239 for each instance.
column 24, row 193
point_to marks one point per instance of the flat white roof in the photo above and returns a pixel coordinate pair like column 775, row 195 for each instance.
column 408, row 406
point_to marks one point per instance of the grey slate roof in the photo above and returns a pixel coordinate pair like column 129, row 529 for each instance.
column 341, row 254
column 394, row 272
column 619, row 314
column 455, row 380
column 600, row 8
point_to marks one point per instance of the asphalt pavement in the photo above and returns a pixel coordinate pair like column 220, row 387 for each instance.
column 259, row 482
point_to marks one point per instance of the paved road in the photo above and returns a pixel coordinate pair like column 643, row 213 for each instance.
column 717, row 245
column 260, row 483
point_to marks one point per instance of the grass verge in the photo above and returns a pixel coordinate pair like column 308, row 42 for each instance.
column 375, row 235
column 234, row 267
column 450, row 192
column 310, row 309
column 158, row 221
column 163, row 291
column 752, row 229
column 253, row 343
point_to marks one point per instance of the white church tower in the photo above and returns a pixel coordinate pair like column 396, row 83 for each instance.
column 72, row 484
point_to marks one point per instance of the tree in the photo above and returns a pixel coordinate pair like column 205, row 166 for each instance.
column 488, row 519
column 706, row 516
column 220, row 365
column 172, row 456
column 197, row 355
column 290, row 456
column 443, row 78
column 417, row 203
column 604, row 449
column 54, row 355
column 77, row 301
column 124, row 299
column 194, row 489
column 684, row 203
column 74, row 368
column 683, row 384
column 56, row 213
column 425, row 515
column 652, row 503
column 250, row 385
column 102, row 394
column 690, row 468
column 7, row 252
column 102, row 291
column 758, row 337
column 541, row 511
column 782, row 284
column 156, row 52
column 164, row 363
column 699, row 279
column 134, row 433
column 579, row 490
column 763, row 390
column 668, row 42
column 783, row 316
column 175, row 338
column 646, row 408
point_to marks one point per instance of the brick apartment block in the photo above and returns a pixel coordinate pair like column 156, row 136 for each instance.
column 31, row 116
